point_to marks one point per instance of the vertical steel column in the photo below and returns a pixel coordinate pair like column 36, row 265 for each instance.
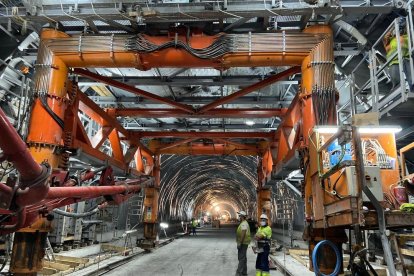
column 263, row 196
column 151, row 206
column 45, row 134
column 410, row 33
column 44, row 137
column 318, row 82
column 400, row 59
column 374, row 80
column 362, row 187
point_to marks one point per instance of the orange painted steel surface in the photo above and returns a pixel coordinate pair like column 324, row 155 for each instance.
column 175, row 57
column 199, row 134
column 133, row 90
column 213, row 113
column 108, row 123
column 43, row 141
column 151, row 202
column 175, row 144
column 56, row 94
column 197, row 148
column 294, row 130
column 178, row 58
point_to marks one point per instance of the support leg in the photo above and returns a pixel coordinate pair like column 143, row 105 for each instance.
column 151, row 208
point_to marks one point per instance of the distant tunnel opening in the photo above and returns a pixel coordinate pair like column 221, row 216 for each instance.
column 220, row 185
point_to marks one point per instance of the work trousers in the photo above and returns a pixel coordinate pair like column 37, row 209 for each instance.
column 262, row 262
column 242, row 256
column 395, row 74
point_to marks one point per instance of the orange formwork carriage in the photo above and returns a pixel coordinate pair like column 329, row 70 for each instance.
column 312, row 50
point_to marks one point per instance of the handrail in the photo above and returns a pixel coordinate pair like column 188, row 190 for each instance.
column 379, row 70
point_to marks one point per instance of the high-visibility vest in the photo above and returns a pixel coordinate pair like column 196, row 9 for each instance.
column 239, row 233
column 394, row 48
column 264, row 232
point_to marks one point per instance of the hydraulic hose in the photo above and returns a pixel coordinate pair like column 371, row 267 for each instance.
column 315, row 258
column 58, row 120
column 75, row 215
column 81, row 215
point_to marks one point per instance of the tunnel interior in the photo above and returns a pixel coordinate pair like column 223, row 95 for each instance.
column 219, row 185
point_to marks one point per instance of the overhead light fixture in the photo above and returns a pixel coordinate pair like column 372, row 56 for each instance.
column 326, row 129
column 362, row 129
column 250, row 122
column 379, row 129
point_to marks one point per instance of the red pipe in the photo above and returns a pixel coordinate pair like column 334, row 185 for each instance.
column 16, row 151
column 90, row 192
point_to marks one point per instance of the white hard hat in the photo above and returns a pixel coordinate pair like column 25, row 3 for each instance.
column 263, row 216
column 242, row 213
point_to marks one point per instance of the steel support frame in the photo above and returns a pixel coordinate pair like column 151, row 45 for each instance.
column 211, row 146
column 205, row 134
column 294, row 141
column 254, row 87
column 213, row 113
column 133, row 90
column 299, row 120
column 151, row 207
column 185, row 12
column 110, row 129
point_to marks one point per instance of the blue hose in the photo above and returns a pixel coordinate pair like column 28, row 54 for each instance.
column 315, row 258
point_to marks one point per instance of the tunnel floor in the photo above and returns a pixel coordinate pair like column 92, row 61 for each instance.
column 212, row 252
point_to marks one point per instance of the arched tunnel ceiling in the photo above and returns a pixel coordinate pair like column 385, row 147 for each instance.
column 188, row 182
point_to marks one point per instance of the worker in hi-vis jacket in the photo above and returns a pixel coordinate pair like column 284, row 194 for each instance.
column 263, row 236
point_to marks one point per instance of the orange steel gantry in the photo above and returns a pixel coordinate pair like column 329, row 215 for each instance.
column 65, row 100
column 59, row 54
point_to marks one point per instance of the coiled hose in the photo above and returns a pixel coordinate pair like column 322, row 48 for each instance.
column 315, row 258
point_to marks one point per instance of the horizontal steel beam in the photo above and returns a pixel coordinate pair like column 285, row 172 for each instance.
column 196, row 126
column 199, row 134
column 131, row 89
column 178, row 81
column 185, row 13
column 251, row 88
column 246, row 100
column 213, row 113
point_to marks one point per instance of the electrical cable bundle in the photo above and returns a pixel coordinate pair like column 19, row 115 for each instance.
column 43, row 101
column 323, row 101
column 218, row 48
column 372, row 146
column 323, row 84
column 231, row 43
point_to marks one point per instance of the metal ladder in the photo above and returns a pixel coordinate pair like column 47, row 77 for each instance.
column 135, row 209
column 49, row 251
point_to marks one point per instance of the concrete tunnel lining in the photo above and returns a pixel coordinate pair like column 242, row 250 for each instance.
column 187, row 182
